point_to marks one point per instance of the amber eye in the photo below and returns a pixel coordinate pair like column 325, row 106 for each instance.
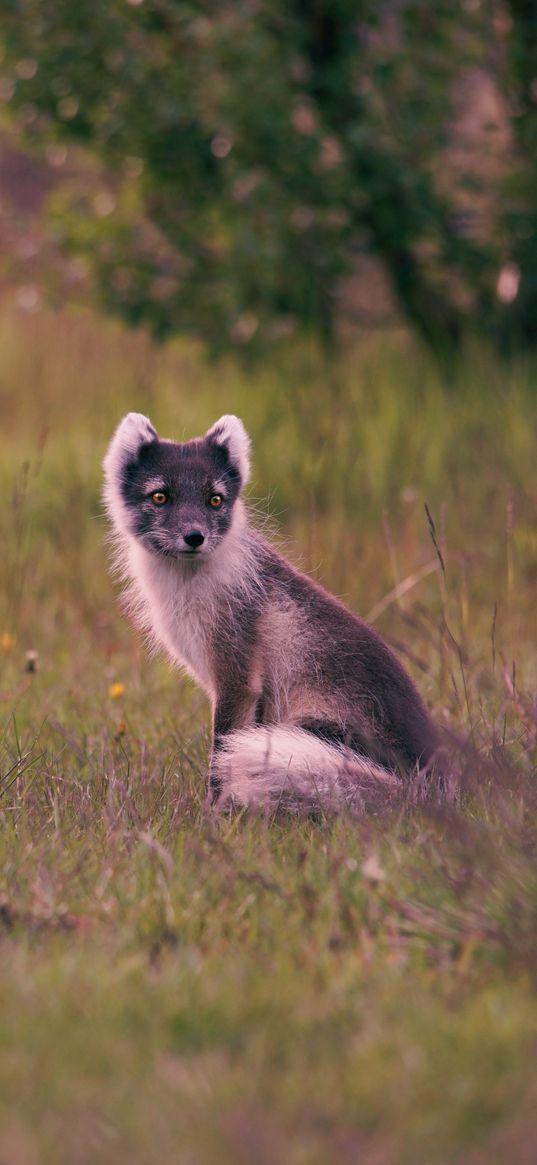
column 216, row 501
column 159, row 497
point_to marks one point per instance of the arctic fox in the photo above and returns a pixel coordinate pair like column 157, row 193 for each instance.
column 309, row 704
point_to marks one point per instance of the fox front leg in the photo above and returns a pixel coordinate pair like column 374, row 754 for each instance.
column 235, row 709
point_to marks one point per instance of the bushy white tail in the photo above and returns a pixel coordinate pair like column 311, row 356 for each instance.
column 281, row 765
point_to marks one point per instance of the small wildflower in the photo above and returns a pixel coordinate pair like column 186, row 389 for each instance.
column 116, row 690
column 120, row 732
column 7, row 641
column 372, row 869
column 31, row 658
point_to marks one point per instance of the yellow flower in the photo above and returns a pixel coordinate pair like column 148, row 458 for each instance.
column 116, row 690
column 7, row 641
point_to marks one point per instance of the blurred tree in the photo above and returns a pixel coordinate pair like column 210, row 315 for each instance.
column 519, row 321
column 256, row 148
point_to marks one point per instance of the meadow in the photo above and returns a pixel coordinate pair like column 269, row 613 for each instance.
column 184, row 988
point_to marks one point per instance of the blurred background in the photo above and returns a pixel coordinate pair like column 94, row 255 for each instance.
column 322, row 216
column 319, row 215
column 244, row 173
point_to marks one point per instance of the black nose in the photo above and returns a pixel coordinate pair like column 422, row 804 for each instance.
column 194, row 539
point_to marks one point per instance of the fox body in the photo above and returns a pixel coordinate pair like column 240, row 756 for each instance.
column 308, row 702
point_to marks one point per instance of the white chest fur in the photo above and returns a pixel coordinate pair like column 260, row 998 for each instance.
column 175, row 606
column 178, row 604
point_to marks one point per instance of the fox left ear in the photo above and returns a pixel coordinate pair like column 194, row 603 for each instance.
column 229, row 432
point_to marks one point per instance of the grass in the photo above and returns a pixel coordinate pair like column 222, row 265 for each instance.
column 179, row 988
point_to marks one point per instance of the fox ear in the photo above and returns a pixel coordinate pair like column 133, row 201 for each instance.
column 229, row 432
column 132, row 432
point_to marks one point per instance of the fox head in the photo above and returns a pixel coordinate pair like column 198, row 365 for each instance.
column 178, row 500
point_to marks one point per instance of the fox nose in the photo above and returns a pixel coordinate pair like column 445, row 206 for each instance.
column 194, row 539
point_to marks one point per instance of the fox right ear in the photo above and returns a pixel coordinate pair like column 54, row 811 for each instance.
column 132, row 432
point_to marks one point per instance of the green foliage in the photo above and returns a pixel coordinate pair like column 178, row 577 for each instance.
column 254, row 150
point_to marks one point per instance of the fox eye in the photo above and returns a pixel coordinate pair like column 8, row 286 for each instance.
column 216, row 501
column 159, row 497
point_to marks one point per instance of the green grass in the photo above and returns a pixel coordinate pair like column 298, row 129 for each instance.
column 183, row 989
